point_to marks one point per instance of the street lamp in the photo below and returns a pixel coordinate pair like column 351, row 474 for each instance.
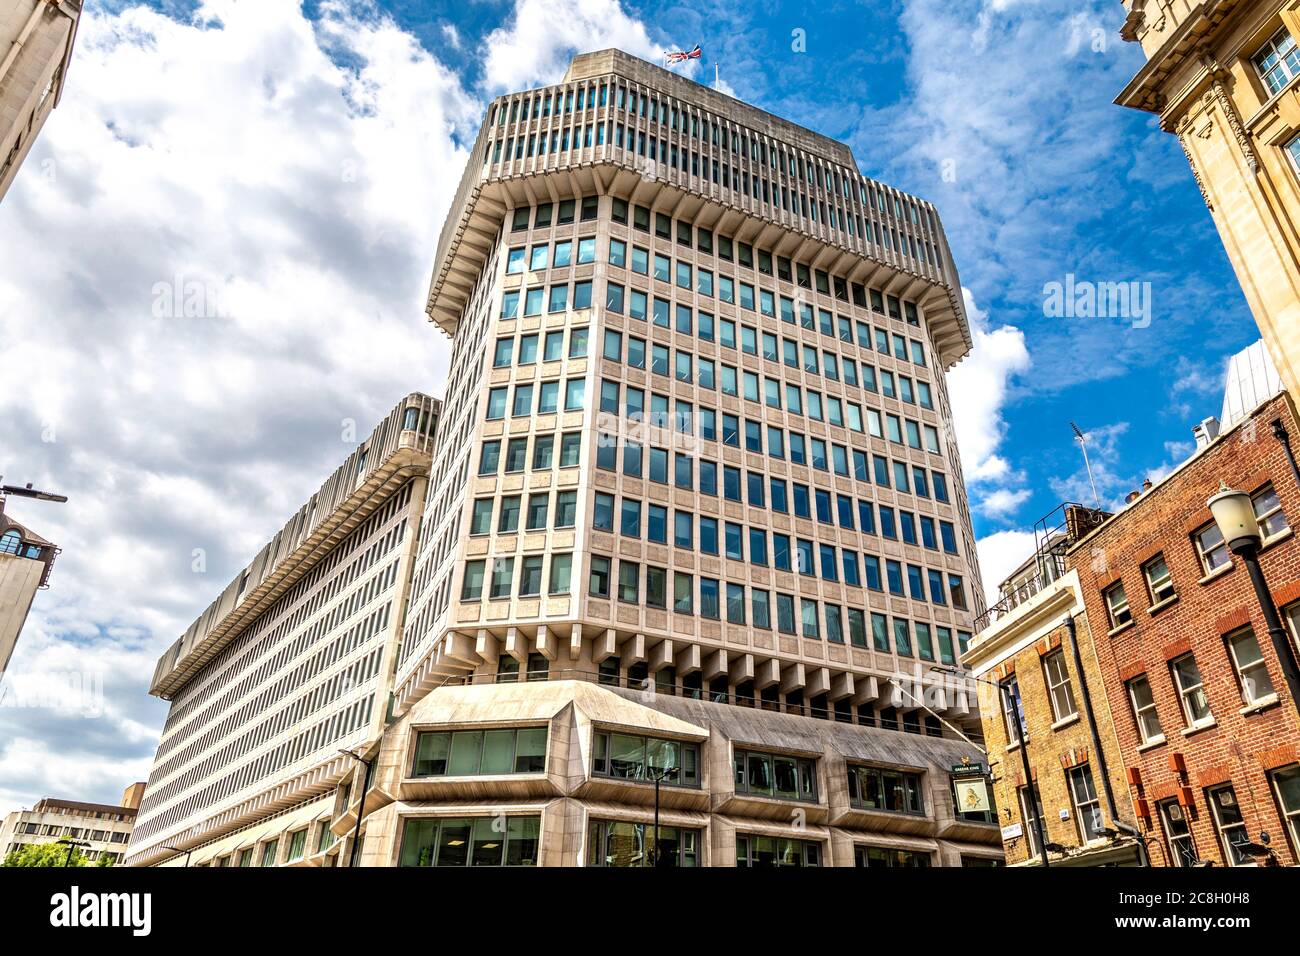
column 176, row 849
column 71, row 844
column 1022, row 726
column 361, row 807
column 1234, row 515
column 658, row 774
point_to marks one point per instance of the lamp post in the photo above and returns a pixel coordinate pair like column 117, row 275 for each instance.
column 71, row 844
column 1234, row 515
column 365, row 786
column 176, row 849
column 1009, row 707
column 658, row 775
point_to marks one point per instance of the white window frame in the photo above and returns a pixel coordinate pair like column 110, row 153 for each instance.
column 1115, row 609
column 1015, row 712
column 1140, row 711
column 1283, row 45
column 1154, row 585
column 1089, row 804
column 1269, row 512
column 1059, row 684
column 1292, row 149
column 1175, row 858
column 1291, row 615
column 1290, row 815
column 1185, row 693
column 1203, row 553
column 1027, row 819
column 1223, row 829
column 1253, row 679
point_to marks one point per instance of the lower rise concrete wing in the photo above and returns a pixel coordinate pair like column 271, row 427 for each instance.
column 293, row 662
column 560, row 773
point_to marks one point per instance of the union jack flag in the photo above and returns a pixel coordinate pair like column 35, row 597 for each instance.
column 683, row 56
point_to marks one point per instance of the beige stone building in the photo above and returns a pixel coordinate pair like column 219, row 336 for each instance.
column 1041, row 690
column 290, row 665
column 696, row 453
column 36, row 38
column 105, row 827
column 1221, row 76
column 695, row 512
column 25, row 562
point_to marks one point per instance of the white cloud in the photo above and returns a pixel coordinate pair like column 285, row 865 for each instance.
column 235, row 152
column 1001, row 553
column 1002, row 502
column 299, row 172
column 534, row 48
column 978, row 388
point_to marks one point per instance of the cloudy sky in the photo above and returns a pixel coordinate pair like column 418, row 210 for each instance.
column 293, row 162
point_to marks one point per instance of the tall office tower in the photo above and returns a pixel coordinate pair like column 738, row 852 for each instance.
column 695, row 504
column 36, row 38
column 1222, row 78
column 25, row 562
column 288, row 667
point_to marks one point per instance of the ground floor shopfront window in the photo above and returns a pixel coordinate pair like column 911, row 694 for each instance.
column 761, row 852
column 612, row 843
column 471, row 841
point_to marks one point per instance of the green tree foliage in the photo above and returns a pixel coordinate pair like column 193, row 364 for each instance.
column 47, row 854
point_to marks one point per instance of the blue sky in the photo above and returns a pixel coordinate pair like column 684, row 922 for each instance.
column 298, row 160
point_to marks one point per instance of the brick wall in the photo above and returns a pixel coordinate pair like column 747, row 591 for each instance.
column 1242, row 744
column 1054, row 745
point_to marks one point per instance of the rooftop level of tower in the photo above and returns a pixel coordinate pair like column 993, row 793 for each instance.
column 586, row 66
column 621, row 127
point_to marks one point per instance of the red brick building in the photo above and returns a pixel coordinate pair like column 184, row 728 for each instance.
column 1209, row 734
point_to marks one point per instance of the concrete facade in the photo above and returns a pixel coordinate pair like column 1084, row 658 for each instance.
column 573, row 795
column 1222, row 76
column 694, row 484
column 105, row 827
column 294, row 661
column 632, row 260
column 36, row 39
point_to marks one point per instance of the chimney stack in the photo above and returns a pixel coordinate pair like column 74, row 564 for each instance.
column 1206, row 432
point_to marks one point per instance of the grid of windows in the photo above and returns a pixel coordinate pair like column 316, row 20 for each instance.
column 764, row 852
column 880, row 788
column 470, row 841
column 478, row 752
column 1182, row 848
column 631, row 757
column 612, row 115
column 878, row 856
column 1278, row 61
column 1059, row 689
column 782, row 776
column 1144, row 710
column 611, row 843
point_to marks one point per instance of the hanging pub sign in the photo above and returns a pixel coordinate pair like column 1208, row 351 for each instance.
column 972, row 795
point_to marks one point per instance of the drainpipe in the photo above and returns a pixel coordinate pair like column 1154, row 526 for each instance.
column 1280, row 433
column 1096, row 743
